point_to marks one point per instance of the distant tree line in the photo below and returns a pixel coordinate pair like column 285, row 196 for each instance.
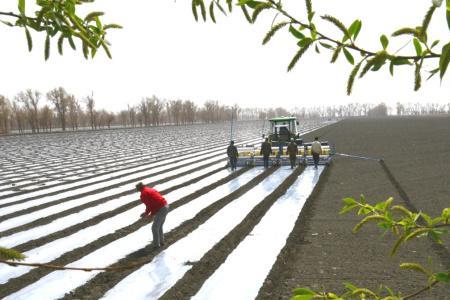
column 32, row 111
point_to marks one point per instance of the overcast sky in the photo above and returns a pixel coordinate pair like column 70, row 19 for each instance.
column 162, row 51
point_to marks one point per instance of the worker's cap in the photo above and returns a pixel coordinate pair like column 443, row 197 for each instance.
column 139, row 186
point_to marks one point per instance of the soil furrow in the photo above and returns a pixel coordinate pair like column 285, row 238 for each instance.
column 201, row 270
column 137, row 162
column 101, row 283
column 90, row 183
column 76, row 209
column 97, row 219
column 269, row 290
column 99, row 190
column 141, row 256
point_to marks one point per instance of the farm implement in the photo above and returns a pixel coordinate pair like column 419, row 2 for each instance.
column 282, row 131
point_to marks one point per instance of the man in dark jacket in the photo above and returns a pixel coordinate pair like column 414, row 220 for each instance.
column 232, row 155
column 155, row 205
column 266, row 150
column 292, row 150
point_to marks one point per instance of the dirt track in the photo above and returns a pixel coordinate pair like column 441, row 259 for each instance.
column 323, row 253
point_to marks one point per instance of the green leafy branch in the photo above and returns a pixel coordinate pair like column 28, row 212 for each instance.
column 308, row 36
column 404, row 224
column 10, row 254
column 397, row 219
column 60, row 18
column 353, row 292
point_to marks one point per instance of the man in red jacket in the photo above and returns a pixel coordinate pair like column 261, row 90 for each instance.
column 155, row 205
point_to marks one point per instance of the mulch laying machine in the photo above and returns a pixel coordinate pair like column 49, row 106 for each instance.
column 282, row 131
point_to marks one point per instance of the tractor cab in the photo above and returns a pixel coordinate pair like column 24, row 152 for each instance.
column 282, row 130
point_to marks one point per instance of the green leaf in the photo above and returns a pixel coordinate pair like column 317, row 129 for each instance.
column 258, row 9
column 448, row 14
column 72, row 43
column 338, row 24
column 91, row 16
column 297, row 56
column 220, row 7
column 303, row 291
column 85, row 50
column 60, row 44
column 416, row 233
column 308, row 4
column 348, row 56
column 417, row 46
column 415, row 267
column 349, row 201
column 435, row 235
column 354, row 29
column 443, row 277
column 351, row 79
column 112, row 26
column 296, row 33
column 202, row 9
column 335, row 55
column 29, row 40
column 406, row 30
column 317, row 49
column 434, row 44
column 384, row 41
column 10, row 254
column 401, row 61
column 397, row 244
column 302, row 43
column 22, row 7
column 350, row 286
column 230, row 5
column 444, row 60
column 427, row 19
column 247, row 16
column 211, row 11
column 194, row 9
column 272, row 32
column 47, row 47
column 367, row 219
column 325, row 45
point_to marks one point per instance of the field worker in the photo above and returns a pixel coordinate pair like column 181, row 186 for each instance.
column 292, row 150
column 232, row 155
column 266, row 150
column 156, row 206
column 316, row 150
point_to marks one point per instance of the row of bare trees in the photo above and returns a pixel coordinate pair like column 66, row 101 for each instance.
column 30, row 111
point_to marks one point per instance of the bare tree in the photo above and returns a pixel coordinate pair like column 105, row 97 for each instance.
column 90, row 107
column 60, row 100
column 155, row 107
column 19, row 116
column 132, row 115
column 74, row 112
column 30, row 101
column 175, row 111
column 189, row 112
column 46, row 118
column 5, row 114
column 145, row 113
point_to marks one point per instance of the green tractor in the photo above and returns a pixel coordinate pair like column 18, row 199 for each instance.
column 282, row 130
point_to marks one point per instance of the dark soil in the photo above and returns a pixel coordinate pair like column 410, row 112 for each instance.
column 323, row 253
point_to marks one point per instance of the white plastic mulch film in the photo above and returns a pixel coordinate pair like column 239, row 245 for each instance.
column 154, row 279
column 58, row 283
column 244, row 271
